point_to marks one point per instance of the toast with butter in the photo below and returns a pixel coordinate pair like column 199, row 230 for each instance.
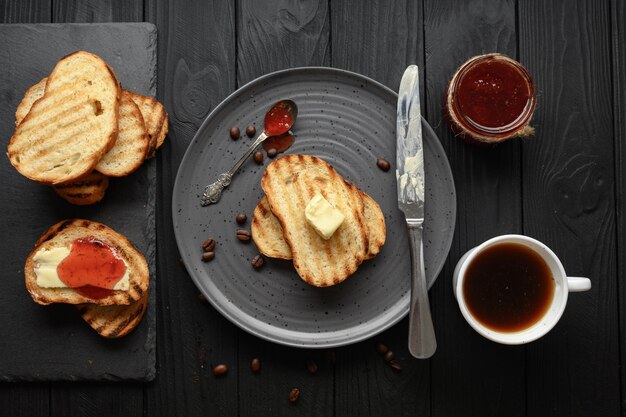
column 73, row 124
column 289, row 184
column 88, row 190
column 268, row 234
column 115, row 320
column 42, row 267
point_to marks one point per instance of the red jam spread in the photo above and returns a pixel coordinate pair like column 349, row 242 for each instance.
column 490, row 96
column 280, row 143
column 92, row 267
column 277, row 121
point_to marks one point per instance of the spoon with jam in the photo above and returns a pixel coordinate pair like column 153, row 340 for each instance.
column 278, row 120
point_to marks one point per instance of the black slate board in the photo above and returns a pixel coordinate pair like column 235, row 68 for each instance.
column 52, row 342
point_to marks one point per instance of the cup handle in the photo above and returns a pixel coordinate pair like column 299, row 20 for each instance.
column 578, row 284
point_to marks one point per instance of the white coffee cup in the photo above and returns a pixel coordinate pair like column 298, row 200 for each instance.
column 563, row 285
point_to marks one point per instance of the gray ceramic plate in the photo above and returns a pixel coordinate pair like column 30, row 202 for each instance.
column 348, row 120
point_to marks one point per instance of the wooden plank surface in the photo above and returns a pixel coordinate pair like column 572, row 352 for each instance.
column 569, row 203
column 196, row 71
column 472, row 376
column 288, row 34
column 379, row 39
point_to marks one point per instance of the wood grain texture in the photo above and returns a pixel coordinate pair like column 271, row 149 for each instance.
column 273, row 36
column 379, row 39
column 618, row 38
column 30, row 11
column 569, row 203
column 196, row 71
column 472, row 376
column 280, row 34
column 81, row 11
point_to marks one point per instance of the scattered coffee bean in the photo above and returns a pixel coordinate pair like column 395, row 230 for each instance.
column 182, row 264
column 250, row 131
column 241, row 218
column 293, row 395
column 220, row 369
column 258, row 157
column 257, row 262
column 383, row 164
column 234, row 133
column 255, row 365
column 208, row 256
column 272, row 152
column 389, row 356
column 395, row 365
column 208, row 245
column 311, row 366
column 243, row 235
column 202, row 299
column 382, row 348
column 332, row 356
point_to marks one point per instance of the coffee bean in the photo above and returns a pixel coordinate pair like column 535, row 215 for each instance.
column 234, row 133
column 311, row 366
column 395, row 365
column 383, row 164
column 255, row 365
column 293, row 395
column 208, row 256
column 389, row 356
column 382, row 348
column 243, row 235
column 241, row 218
column 250, row 131
column 257, row 262
column 220, row 369
column 208, row 245
column 202, row 299
column 258, row 157
column 272, row 152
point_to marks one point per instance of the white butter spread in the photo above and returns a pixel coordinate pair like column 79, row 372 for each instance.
column 323, row 216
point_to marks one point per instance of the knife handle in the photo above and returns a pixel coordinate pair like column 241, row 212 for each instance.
column 422, row 341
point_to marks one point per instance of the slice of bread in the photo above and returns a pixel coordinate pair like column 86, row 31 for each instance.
column 63, row 234
column 87, row 190
column 289, row 184
column 32, row 94
column 155, row 118
column 115, row 320
column 132, row 144
column 72, row 126
column 268, row 234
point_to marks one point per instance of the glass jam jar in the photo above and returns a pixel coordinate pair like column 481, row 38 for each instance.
column 490, row 98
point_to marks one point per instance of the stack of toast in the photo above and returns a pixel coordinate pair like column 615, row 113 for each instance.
column 280, row 230
column 112, row 314
column 78, row 127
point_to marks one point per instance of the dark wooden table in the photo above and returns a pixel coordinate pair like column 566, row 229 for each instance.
column 564, row 186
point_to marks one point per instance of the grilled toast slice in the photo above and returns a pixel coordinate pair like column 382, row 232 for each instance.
column 88, row 190
column 289, row 184
column 72, row 126
column 115, row 320
column 268, row 234
column 33, row 94
column 63, row 234
column 132, row 144
column 155, row 117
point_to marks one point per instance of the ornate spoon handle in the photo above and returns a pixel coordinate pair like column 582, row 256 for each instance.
column 213, row 192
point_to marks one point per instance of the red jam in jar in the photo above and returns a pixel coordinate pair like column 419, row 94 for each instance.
column 92, row 268
column 490, row 98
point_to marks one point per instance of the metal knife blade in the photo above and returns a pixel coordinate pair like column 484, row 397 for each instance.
column 409, row 148
column 410, row 179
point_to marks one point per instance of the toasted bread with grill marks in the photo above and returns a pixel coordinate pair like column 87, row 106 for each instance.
column 155, row 117
column 63, row 234
column 72, row 126
column 289, row 184
column 33, row 94
column 114, row 321
column 268, row 234
column 87, row 190
column 132, row 144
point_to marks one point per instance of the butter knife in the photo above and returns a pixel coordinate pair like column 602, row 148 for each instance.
column 410, row 179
